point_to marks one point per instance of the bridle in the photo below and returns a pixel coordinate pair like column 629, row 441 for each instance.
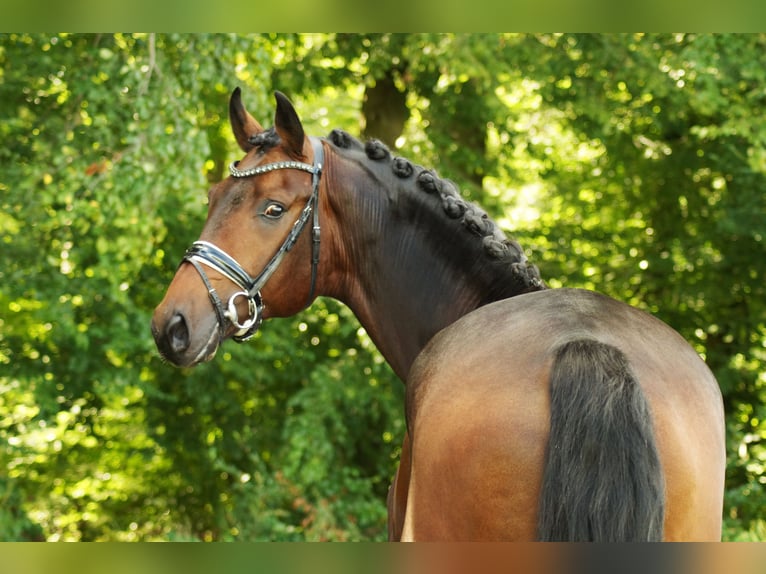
column 205, row 253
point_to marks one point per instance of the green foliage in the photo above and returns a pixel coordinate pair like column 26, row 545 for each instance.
column 631, row 164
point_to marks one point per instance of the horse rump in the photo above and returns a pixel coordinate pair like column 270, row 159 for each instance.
column 603, row 479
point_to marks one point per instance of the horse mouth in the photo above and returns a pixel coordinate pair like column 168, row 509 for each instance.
column 186, row 356
column 208, row 350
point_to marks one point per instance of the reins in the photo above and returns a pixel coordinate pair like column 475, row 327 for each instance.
column 204, row 252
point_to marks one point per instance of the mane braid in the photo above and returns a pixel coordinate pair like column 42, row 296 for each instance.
column 496, row 246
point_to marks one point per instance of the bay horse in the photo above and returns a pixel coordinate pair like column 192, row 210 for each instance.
column 532, row 413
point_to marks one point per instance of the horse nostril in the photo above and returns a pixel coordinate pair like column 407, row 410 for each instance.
column 177, row 333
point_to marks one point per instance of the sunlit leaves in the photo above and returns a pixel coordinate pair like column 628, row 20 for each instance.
column 632, row 164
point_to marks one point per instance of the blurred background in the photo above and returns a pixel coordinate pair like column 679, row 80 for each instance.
column 630, row 164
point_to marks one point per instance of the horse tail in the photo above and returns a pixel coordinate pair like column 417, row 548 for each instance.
column 603, row 479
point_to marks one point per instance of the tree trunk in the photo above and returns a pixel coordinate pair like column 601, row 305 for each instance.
column 385, row 110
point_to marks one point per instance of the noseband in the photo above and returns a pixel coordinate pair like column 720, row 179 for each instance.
column 205, row 253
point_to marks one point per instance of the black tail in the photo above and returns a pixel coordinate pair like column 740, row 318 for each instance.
column 603, row 480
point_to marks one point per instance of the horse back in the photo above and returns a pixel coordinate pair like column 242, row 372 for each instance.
column 478, row 413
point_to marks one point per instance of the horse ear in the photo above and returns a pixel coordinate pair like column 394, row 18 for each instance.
column 288, row 126
column 243, row 124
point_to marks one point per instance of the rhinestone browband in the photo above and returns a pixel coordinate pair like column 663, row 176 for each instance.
column 269, row 167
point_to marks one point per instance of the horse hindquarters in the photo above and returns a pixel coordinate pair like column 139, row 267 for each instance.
column 603, row 479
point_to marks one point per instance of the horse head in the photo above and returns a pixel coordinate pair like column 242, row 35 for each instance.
column 251, row 260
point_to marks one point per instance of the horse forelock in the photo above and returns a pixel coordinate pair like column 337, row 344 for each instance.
column 498, row 249
column 265, row 140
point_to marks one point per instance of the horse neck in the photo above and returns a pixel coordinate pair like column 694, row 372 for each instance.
column 404, row 267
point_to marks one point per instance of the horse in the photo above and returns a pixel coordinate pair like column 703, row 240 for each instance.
column 532, row 413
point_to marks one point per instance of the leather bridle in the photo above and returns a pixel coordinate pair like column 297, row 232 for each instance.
column 205, row 253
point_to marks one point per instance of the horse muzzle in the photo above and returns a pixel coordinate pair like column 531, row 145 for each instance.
column 185, row 331
column 181, row 341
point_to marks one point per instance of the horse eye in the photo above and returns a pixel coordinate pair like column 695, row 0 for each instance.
column 274, row 211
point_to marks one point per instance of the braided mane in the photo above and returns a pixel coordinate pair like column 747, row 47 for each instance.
column 497, row 248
